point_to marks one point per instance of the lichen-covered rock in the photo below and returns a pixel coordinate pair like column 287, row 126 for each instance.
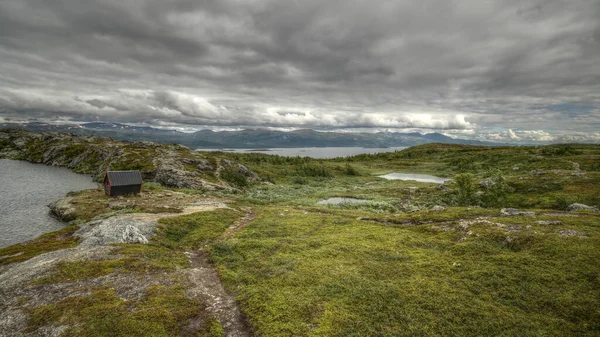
column 578, row 207
column 63, row 209
column 204, row 165
column 246, row 172
column 133, row 234
column 116, row 229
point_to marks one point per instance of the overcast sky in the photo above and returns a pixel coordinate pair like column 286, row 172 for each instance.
column 482, row 69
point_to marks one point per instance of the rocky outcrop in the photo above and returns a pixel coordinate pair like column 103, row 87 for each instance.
column 170, row 165
column 581, row 207
column 63, row 209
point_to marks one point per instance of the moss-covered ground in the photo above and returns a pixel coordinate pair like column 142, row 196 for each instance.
column 394, row 266
column 317, row 274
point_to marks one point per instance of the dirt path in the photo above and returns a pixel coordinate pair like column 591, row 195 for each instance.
column 207, row 287
column 239, row 224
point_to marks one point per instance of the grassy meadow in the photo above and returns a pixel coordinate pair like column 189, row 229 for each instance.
column 395, row 267
column 417, row 259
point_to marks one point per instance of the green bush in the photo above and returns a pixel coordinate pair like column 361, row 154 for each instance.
column 311, row 170
column 232, row 176
column 561, row 203
column 350, row 170
column 466, row 188
column 299, row 180
column 496, row 193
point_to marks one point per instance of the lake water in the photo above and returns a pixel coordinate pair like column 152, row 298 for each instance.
column 25, row 191
column 341, row 200
column 314, row 152
column 417, row 177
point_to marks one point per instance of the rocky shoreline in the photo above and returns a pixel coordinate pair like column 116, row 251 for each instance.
column 170, row 165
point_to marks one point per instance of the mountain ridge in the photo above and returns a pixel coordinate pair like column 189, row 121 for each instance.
column 246, row 138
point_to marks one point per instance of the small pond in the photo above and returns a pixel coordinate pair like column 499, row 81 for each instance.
column 425, row 178
column 340, row 200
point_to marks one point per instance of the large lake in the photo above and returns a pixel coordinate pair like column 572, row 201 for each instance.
column 314, row 152
column 26, row 190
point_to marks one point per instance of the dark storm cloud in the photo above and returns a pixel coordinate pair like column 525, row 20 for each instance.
column 462, row 65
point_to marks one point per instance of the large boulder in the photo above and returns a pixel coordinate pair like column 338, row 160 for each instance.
column 116, row 229
column 63, row 209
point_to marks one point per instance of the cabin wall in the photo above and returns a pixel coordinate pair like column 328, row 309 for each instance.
column 120, row 190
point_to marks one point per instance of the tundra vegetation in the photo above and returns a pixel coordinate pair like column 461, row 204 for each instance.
column 497, row 250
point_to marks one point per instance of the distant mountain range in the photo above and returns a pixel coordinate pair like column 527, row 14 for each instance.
column 250, row 138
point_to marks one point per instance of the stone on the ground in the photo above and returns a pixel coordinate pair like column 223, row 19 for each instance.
column 545, row 223
column 577, row 207
column 438, row 208
column 487, row 182
column 514, row 211
column 133, row 234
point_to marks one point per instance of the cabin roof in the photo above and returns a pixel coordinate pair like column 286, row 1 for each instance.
column 124, row 178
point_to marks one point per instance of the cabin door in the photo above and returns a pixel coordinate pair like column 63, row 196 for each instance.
column 107, row 189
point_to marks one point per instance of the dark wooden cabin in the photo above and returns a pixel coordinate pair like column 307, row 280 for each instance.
column 122, row 182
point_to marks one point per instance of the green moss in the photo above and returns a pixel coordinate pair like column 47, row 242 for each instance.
column 139, row 258
column 164, row 311
column 4, row 143
column 61, row 239
column 66, row 272
column 212, row 329
column 308, row 274
column 74, row 150
column 153, row 257
column 194, row 230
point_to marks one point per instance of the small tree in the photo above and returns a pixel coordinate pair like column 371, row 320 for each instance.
column 466, row 188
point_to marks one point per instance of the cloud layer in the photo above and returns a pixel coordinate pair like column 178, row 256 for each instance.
column 460, row 65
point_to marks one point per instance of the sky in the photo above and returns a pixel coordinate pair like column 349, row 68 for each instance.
column 482, row 69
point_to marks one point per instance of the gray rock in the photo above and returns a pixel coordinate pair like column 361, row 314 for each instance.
column 487, row 182
column 117, row 229
column 438, row 208
column 132, row 234
column 204, row 165
column 537, row 172
column 569, row 232
column 189, row 161
column 63, row 209
column 577, row 207
column 546, row 223
column 443, row 187
column 514, row 211
column 246, row 172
